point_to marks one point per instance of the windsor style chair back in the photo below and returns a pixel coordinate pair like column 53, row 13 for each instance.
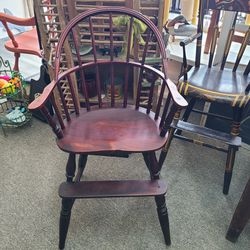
column 114, row 120
column 216, row 84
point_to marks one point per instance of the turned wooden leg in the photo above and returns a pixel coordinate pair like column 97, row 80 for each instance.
column 163, row 217
column 16, row 65
column 81, row 166
column 235, row 131
column 241, row 215
column 229, row 168
column 155, row 169
column 67, row 204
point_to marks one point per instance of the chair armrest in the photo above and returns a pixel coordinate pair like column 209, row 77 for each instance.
column 40, row 101
column 183, row 44
column 179, row 100
column 17, row 20
column 190, row 39
column 5, row 19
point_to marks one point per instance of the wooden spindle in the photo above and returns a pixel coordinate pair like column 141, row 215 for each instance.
column 141, row 71
column 57, row 130
column 227, row 48
column 199, row 30
column 247, row 70
column 168, row 120
column 112, row 58
column 58, row 114
column 82, row 77
column 125, row 100
column 242, row 49
column 158, row 107
column 165, row 110
column 153, row 79
column 96, row 63
column 213, row 45
column 65, row 108
column 72, row 90
column 184, row 63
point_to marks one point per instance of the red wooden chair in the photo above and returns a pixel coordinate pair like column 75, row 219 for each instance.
column 24, row 43
column 220, row 85
column 110, row 125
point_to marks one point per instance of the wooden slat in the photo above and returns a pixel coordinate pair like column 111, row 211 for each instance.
column 207, row 132
column 213, row 45
column 127, row 60
column 112, row 58
column 141, row 70
column 71, row 86
column 105, row 189
column 96, row 65
column 227, row 48
column 242, row 49
column 88, row 41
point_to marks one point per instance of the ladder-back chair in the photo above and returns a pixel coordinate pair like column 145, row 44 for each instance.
column 112, row 123
column 215, row 84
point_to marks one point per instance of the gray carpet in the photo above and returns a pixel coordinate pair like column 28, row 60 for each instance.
column 32, row 168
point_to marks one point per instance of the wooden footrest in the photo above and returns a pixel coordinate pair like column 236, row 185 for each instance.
column 104, row 189
column 210, row 133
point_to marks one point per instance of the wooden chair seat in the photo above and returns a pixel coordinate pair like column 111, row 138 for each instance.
column 216, row 85
column 27, row 43
column 112, row 129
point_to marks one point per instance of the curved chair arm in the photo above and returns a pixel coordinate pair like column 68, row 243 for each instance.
column 178, row 99
column 183, row 44
column 190, row 39
column 40, row 101
column 17, row 20
column 5, row 19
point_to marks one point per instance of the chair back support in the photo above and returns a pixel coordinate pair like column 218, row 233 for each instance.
column 115, row 74
column 236, row 6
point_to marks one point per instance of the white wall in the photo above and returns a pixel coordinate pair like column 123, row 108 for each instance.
column 17, row 7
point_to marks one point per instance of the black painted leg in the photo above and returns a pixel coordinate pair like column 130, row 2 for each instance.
column 163, row 217
column 235, row 130
column 67, row 205
column 146, row 160
column 229, row 168
column 155, row 169
column 81, row 166
column 241, row 215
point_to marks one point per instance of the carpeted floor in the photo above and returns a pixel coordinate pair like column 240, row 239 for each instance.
column 32, row 168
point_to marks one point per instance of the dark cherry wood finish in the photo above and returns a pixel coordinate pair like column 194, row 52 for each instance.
column 241, row 215
column 111, row 125
column 214, row 85
column 24, row 43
